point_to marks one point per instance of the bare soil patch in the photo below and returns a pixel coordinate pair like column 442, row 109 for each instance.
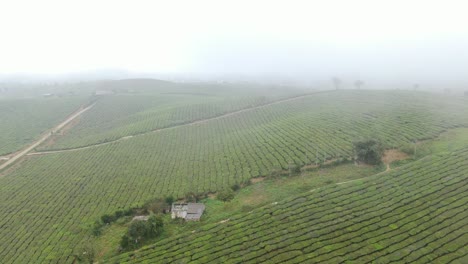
column 392, row 155
column 258, row 179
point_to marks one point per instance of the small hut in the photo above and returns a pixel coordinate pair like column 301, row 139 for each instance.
column 187, row 211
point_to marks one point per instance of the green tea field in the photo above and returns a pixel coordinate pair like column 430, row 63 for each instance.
column 159, row 144
column 23, row 120
column 414, row 214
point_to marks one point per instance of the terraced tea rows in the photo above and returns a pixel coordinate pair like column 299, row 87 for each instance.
column 47, row 203
column 414, row 214
column 122, row 115
column 23, row 120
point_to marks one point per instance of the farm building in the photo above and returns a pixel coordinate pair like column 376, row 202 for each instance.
column 187, row 211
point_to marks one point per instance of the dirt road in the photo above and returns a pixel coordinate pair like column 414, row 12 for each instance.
column 36, row 143
column 195, row 122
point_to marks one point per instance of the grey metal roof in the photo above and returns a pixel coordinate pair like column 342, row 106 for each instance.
column 195, row 208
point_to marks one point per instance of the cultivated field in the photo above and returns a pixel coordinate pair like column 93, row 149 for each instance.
column 414, row 214
column 23, row 120
column 139, row 113
column 49, row 201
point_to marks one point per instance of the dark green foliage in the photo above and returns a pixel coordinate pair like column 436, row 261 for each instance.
column 156, row 206
column 294, row 169
column 369, row 151
column 169, row 200
column 124, row 242
column 235, row 187
column 155, row 226
column 96, row 228
column 225, row 195
column 110, row 218
column 107, row 219
column 140, row 231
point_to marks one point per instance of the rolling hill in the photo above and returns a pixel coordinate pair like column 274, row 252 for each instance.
column 414, row 214
column 50, row 200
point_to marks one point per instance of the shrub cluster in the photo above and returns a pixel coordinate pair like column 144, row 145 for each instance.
column 141, row 231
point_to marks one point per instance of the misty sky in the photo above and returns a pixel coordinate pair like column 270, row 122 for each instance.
column 398, row 38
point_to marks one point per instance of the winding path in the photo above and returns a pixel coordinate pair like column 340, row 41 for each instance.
column 195, row 122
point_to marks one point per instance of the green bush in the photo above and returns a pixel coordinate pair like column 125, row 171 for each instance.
column 225, row 195
column 369, row 151
column 107, row 219
column 294, row 169
column 140, row 231
column 235, row 187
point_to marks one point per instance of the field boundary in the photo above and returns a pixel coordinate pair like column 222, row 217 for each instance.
column 195, row 122
column 45, row 136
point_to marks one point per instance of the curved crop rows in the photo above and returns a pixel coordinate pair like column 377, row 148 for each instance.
column 48, row 203
column 23, row 120
column 114, row 117
column 415, row 214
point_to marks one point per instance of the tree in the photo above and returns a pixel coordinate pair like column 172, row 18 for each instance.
column 169, row 200
column 137, row 231
column 96, row 228
column 369, row 151
column 358, row 84
column 125, row 242
column 140, row 231
column 226, row 195
column 336, row 83
column 155, row 226
column 107, row 219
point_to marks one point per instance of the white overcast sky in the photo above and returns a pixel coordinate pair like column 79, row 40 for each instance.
column 401, row 37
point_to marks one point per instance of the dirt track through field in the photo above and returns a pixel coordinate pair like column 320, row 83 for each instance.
column 196, row 122
column 46, row 135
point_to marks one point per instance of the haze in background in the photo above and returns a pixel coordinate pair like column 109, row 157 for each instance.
column 416, row 41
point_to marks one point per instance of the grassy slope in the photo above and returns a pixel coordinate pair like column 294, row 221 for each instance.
column 415, row 213
column 48, row 203
column 261, row 193
column 23, row 120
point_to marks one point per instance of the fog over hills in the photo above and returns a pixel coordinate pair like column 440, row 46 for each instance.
column 392, row 44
